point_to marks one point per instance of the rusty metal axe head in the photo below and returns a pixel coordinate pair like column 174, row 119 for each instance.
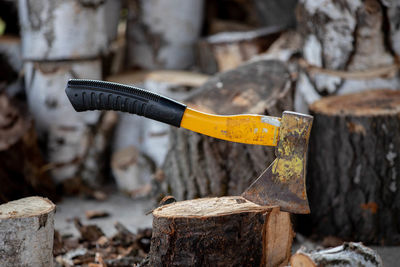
column 283, row 182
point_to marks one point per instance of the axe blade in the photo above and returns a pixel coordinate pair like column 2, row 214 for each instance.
column 283, row 183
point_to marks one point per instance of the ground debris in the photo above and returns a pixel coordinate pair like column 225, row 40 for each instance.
column 92, row 214
column 94, row 249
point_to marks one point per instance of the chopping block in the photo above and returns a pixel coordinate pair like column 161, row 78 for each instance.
column 220, row 231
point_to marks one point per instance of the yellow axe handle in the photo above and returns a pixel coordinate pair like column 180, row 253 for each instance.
column 248, row 129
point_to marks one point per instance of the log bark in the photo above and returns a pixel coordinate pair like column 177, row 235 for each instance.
column 162, row 36
column 72, row 29
column 354, row 37
column 354, row 167
column 227, row 50
column 348, row 254
column 95, row 164
column 131, row 169
column 227, row 231
column 66, row 133
column 26, row 232
column 197, row 165
column 21, row 161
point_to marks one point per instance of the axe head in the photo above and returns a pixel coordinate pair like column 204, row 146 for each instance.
column 283, row 183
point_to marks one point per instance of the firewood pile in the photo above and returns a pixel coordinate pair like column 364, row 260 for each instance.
column 335, row 60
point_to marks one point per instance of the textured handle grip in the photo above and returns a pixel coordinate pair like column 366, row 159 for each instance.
column 91, row 95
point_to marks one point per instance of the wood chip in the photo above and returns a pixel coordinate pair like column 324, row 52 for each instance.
column 89, row 233
column 92, row 214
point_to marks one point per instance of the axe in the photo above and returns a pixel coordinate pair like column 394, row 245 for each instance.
column 281, row 184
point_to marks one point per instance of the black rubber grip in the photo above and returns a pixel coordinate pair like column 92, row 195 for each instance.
column 98, row 95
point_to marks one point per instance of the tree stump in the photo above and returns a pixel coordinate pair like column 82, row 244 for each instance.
column 354, row 167
column 348, row 254
column 26, row 232
column 227, row 231
column 197, row 165
column 21, row 161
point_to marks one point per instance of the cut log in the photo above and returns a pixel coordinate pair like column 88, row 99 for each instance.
column 66, row 132
column 354, row 167
column 27, row 232
column 227, row 231
column 131, row 169
column 199, row 166
column 21, row 161
column 95, row 163
column 72, row 29
column 162, row 36
column 347, row 42
column 227, row 50
column 348, row 254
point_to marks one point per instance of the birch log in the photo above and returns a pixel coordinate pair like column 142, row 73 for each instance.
column 65, row 131
column 26, row 232
column 348, row 254
column 227, row 231
column 227, row 50
column 161, row 33
column 132, row 169
column 346, row 48
column 63, row 29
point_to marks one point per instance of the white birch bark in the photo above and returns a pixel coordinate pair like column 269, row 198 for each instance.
column 66, row 29
column 162, row 33
column 66, row 130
